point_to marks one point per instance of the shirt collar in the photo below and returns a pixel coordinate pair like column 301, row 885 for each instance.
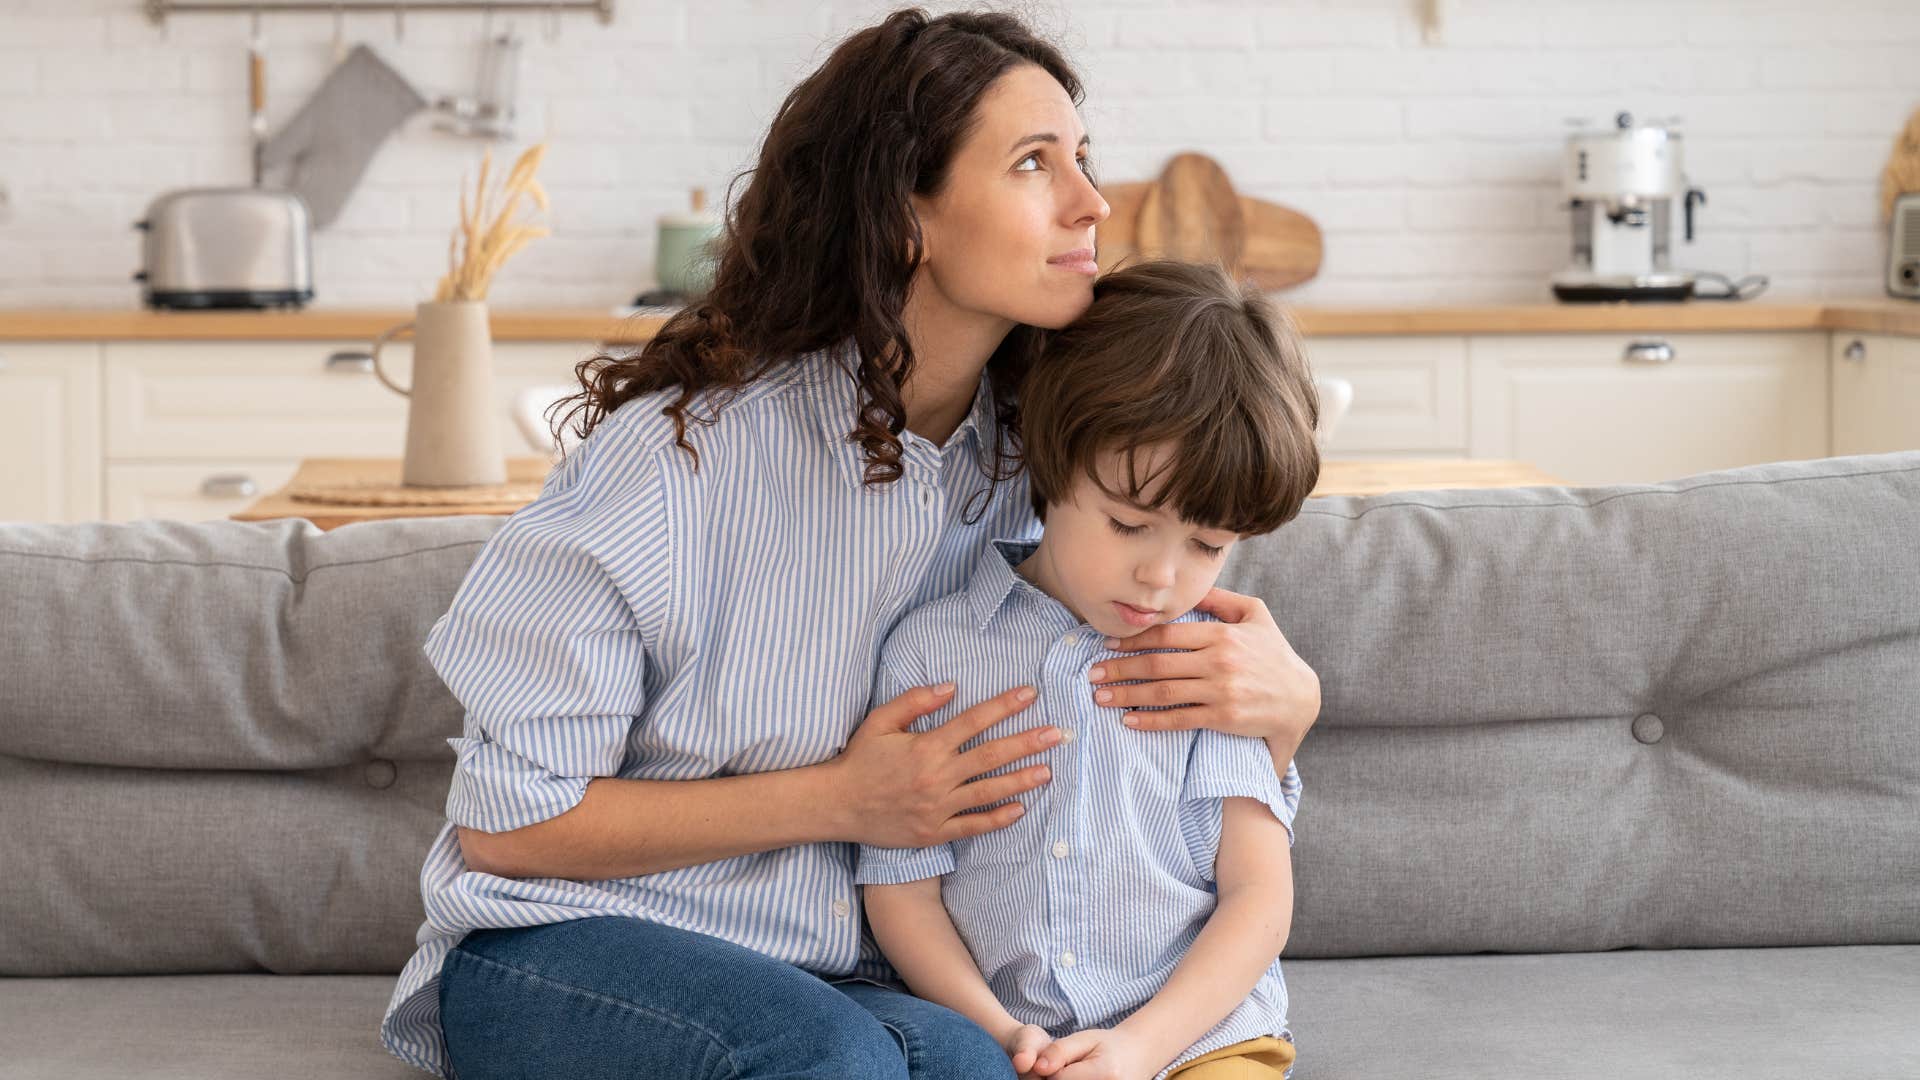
column 834, row 389
column 994, row 579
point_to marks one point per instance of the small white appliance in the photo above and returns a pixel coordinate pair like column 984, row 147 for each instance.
column 1624, row 186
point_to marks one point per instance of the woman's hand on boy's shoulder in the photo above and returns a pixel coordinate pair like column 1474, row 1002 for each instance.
column 1096, row 1054
column 1238, row 675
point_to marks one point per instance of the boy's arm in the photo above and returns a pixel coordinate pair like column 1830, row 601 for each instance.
column 1247, row 930
column 917, row 935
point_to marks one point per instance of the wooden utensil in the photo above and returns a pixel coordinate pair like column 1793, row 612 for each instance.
column 1192, row 213
column 1282, row 246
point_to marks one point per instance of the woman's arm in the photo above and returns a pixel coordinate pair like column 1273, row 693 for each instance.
column 625, row 828
column 890, row 788
column 1247, row 929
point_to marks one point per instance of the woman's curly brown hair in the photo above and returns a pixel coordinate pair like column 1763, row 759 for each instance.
column 822, row 245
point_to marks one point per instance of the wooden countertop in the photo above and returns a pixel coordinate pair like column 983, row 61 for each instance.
column 1870, row 315
column 1337, row 477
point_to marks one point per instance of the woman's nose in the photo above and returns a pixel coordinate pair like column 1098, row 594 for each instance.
column 1089, row 206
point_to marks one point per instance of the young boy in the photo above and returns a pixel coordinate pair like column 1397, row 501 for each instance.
column 1128, row 924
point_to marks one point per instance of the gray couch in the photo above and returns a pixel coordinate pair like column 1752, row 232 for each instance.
column 1610, row 782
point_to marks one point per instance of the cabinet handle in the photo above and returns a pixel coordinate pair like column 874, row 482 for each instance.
column 228, row 486
column 1856, row 352
column 351, row 361
column 1648, row 352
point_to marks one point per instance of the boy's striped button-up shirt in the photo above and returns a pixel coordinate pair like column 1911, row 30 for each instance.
column 1077, row 913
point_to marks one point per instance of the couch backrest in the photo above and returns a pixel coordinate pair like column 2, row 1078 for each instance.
column 1679, row 714
column 1684, row 714
column 221, row 748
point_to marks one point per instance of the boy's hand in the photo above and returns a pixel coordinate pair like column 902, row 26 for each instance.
column 1023, row 1043
column 1096, row 1054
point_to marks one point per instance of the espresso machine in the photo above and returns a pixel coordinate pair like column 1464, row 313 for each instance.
column 1623, row 186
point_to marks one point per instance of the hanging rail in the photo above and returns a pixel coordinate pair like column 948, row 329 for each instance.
column 158, row 10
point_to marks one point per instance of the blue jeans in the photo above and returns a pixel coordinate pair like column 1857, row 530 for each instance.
column 612, row 997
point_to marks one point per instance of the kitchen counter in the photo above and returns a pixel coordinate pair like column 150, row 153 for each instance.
column 1871, row 315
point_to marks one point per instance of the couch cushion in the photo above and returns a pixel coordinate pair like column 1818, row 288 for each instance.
column 228, row 645
column 198, row 1027
column 1738, row 1014
column 1704, row 1014
column 227, row 742
column 1675, row 714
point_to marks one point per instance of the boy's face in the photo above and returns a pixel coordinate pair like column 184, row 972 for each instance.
column 1119, row 568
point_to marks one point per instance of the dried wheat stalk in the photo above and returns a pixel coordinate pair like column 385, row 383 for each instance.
column 484, row 240
column 1903, row 167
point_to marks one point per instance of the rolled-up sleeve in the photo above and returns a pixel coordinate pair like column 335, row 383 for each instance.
column 1230, row 766
column 546, row 642
column 894, row 674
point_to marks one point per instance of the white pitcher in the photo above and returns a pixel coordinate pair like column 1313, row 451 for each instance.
column 453, row 434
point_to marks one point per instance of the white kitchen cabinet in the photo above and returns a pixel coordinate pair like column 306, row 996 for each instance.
column 1876, row 393
column 199, row 491
column 1409, row 394
column 224, row 399
column 49, row 431
column 1618, row 408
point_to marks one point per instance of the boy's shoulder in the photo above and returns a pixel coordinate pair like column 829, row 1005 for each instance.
column 935, row 624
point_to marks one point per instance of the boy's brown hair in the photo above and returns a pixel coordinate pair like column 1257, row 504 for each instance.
column 1177, row 353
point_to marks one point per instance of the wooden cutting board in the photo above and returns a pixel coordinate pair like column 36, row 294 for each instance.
column 1278, row 247
column 1192, row 213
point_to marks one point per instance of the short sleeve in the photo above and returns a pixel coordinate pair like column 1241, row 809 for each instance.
column 1224, row 766
column 897, row 670
column 546, row 641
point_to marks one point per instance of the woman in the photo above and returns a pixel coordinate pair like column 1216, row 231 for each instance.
column 665, row 658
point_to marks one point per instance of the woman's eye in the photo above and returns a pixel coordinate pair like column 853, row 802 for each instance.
column 1124, row 529
column 1086, row 166
column 1033, row 157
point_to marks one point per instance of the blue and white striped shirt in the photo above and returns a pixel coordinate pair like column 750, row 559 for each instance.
column 1077, row 913
column 644, row 620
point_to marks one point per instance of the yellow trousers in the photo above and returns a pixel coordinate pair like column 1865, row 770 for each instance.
column 1264, row 1058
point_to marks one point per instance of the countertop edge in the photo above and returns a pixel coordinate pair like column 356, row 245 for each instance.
column 1880, row 316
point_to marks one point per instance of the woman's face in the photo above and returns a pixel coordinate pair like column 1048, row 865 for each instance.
column 1011, row 233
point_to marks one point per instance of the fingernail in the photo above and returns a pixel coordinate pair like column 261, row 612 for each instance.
column 1130, row 720
column 1113, row 643
column 1027, row 693
column 1103, row 696
column 1097, row 674
column 944, row 688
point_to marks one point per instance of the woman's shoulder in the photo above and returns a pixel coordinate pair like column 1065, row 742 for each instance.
column 644, row 426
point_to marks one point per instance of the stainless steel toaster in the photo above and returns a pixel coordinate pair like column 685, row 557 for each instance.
column 1903, row 249
column 227, row 248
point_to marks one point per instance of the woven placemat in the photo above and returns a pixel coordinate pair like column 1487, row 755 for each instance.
column 341, row 482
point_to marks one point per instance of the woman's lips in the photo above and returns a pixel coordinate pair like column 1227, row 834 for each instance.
column 1079, row 261
column 1135, row 616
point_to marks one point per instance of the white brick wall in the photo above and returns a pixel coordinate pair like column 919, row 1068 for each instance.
column 1432, row 168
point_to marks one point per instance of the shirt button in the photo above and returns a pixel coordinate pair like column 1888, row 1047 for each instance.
column 1066, row 959
column 840, row 909
column 1066, row 735
column 1059, row 849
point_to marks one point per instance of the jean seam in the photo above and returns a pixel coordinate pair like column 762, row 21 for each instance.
column 621, row 1003
column 906, row 1045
